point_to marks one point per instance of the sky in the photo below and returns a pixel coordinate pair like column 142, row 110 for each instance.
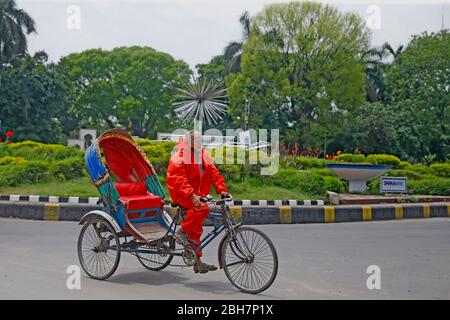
column 197, row 30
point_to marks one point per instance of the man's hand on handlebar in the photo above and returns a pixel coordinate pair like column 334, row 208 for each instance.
column 200, row 201
column 225, row 195
column 196, row 200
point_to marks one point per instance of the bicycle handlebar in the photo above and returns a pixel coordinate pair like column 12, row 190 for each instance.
column 208, row 198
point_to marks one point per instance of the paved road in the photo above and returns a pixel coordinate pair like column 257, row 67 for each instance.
column 325, row 261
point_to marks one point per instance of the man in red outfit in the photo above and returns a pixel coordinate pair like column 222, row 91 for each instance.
column 190, row 175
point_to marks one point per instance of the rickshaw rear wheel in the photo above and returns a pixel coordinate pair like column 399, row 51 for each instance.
column 98, row 249
column 155, row 261
column 249, row 260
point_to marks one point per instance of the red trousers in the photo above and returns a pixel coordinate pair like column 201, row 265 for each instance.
column 193, row 222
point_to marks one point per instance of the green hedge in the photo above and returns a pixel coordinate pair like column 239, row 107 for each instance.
column 384, row 159
column 29, row 172
column 350, row 157
column 441, row 169
column 303, row 181
column 33, row 162
column 31, row 150
column 335, row 184
column 39, row 171
column 410, row 174
column 420, row 168
column 309, row 163
column 404, row 165
column 67, row 169
column 430, row 186
column 8, row 160
column 325, row 172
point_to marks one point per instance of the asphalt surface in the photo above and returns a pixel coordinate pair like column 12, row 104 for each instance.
column 317, row 261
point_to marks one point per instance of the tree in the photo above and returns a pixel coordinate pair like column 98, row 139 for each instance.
column 417, row 94
column 214, row 70
column 377, row 62
column 15, row 24
column 301, row 70
column 130, row 87
column 32, row 96
column 230, row 61
column 233, row 51
column 370, row 129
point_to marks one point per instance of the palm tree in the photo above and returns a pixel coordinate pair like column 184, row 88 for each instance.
column 15, row 24
column 233, row 51
column 388, row 50
column 373, row 59
column 377, row 61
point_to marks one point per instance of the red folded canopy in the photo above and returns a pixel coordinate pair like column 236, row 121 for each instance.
column 123, row 157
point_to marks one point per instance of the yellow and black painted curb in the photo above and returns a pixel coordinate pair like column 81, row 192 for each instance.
column 283, row 214
column 332, row 214
column 51, row 211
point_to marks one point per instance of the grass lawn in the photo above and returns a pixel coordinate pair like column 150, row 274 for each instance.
column 82, row 187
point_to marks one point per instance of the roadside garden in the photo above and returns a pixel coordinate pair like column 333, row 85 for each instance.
column 30, row 167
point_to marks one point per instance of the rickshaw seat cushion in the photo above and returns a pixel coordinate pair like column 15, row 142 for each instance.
column 131, row 188
column 141, row 202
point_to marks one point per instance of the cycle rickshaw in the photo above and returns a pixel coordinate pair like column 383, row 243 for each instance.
column 132, row 219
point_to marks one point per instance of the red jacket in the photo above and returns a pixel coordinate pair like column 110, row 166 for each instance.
column 183, row 175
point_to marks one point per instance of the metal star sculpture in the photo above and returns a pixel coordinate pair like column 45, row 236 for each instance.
column 201, row 100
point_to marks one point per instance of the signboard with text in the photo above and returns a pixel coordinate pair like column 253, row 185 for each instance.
column 393, row 184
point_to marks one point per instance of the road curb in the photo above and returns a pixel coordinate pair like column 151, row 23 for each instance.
column 95, row 200
column 249, row 214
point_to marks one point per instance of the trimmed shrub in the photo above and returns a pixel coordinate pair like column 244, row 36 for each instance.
column 404, row 165
column 325, row 172
column 24, row 144
column 350, row 157
column 31, row 150
column 430, row 186
column 373, row 186
column 420, row 168
column 411, row 175
column 303, row 181
column 334, row 184
column 11, row 161
column 70, row 168
column 29, row 172
column 384, row 159
column 441, row 169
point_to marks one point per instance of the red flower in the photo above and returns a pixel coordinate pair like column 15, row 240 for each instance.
column 9, row 133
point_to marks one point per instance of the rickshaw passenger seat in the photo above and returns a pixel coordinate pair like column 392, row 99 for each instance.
column 141, row 208
column 136, row 197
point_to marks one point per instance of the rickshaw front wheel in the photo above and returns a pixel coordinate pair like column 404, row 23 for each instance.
column 249, row 259
column 98, row 249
